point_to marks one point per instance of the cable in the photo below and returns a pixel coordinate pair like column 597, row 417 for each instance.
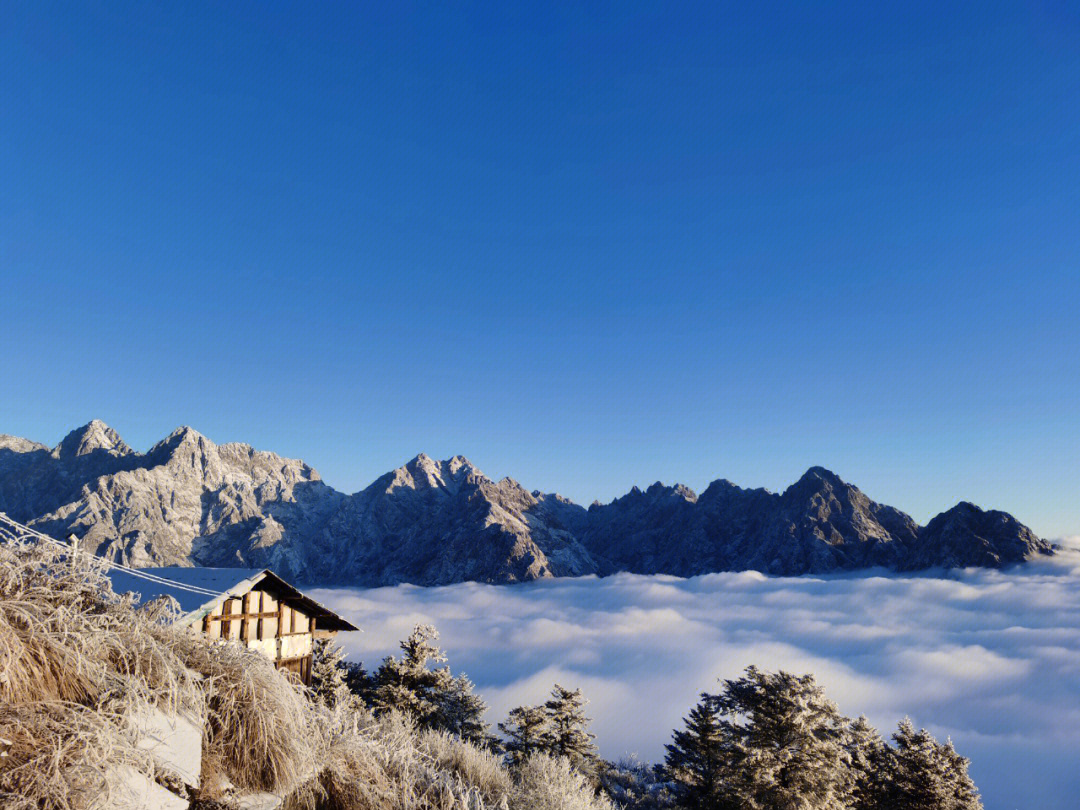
column 21, row 531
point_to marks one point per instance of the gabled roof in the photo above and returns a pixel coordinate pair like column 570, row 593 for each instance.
column 225, row 583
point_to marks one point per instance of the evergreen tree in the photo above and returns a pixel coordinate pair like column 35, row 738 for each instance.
column 568, row 734
column 408, row 685
column 461, row 712
column 787, row 743
column 527, row 731
column 698, row 756
column 868, row 755
column 923, row 774
column 328, row 672
column 359, row 682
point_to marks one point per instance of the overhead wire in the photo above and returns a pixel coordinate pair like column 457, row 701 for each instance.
column 21, row 531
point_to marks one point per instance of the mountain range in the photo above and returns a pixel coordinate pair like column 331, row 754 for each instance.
column 188, row 501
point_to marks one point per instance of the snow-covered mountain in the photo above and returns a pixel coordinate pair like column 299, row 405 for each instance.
column 188, row 501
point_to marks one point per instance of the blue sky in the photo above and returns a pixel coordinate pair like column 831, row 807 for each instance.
column 588, row 248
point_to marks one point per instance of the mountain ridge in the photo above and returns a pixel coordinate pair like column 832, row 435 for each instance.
column 188, row 501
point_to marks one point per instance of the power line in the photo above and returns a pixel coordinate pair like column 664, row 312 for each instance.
column 19, row 531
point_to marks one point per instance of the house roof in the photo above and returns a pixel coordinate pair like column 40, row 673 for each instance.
column 225, row 583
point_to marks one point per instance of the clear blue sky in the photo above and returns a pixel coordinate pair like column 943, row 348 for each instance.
column 588, row 248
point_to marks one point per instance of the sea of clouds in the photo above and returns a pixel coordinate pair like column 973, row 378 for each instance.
column 989, row 658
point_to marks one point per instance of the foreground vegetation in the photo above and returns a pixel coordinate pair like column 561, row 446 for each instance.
column 78, row 662
column 766, row 741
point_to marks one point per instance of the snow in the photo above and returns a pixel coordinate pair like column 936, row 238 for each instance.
column 175, row 742
column 140, row 793
column 218, row 580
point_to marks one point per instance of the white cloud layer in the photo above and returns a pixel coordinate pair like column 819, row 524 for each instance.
column 990, row 658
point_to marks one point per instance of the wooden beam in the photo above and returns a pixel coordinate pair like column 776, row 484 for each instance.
column 259, row 615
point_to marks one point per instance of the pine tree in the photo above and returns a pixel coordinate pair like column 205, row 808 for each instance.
column 868, row 755
column 568, row 734
column 407, row 685
column 698, row 756
column 461, row 712
column 924, row 774
column 328, row 672
column 787, row 738
column 359, row 682
column 527, row 731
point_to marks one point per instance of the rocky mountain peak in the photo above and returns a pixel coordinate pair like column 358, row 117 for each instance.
column 722, row 487
column 661, row 490
column 92, row 437
column 183, row 435
column 17, row 444
column 182, row 442
column 969, row 535
column 460, row 463
column 424, row 472
column 817, row 478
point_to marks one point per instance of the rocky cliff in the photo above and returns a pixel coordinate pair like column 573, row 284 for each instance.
column 188, row 501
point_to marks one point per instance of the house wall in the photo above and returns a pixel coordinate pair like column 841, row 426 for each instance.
column 262, row 622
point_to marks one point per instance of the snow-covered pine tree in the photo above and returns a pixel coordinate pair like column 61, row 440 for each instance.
column 461, row 712
column 527, row 731
column 408, row 685
column 359, row 682
column 787, row 743
column 869, row 756
column 924, row 774
column 328, row 671
column 568, row 734
column 697, row 758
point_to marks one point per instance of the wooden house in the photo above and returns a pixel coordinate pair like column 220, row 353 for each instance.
column 253, row 606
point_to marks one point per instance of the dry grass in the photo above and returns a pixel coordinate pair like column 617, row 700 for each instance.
column 70, row 648
column 262, row 732
column 65, row 756
column 545, row 783
column 65, row 636
column 386, row 764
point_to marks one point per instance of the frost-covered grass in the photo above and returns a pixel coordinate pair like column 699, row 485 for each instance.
column 989, row 658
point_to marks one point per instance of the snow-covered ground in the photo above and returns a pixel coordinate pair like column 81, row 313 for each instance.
column 990, row 658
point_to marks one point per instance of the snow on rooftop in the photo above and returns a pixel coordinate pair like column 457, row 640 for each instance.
column 218, row 580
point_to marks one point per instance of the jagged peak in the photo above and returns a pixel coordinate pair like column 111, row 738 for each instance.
column 185, row 433
column 684, row 491
column 20, row 445
column 654, row 492
column 821, row 473
column 816, row 479
column 423, row 472
column 966, row 506
column 540, row 495
column 460, row 463
column 93, row 436
column 968, row 509
column 721, row 484
column 660, row 489
column 183, row 436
